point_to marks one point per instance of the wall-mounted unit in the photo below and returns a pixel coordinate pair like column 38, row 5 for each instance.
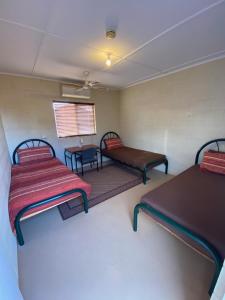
column 72, row 91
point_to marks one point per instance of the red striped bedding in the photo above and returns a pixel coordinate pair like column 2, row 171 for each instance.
column 113, row 143
column 213, row 161
column 34, row 154
column 35, row 181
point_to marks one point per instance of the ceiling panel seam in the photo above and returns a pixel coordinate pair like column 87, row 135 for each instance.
column 45, row 32
column 38, row 52
column 190, row 64
column 22, row 25
column 186, row 20
column 125, row 57
column 196, row 60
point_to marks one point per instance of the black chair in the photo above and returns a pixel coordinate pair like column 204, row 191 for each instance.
column 87, row 156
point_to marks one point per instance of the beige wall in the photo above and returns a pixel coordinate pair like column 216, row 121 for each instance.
column 26, row 106
column 6, row 236
column 173, row 114
column 176, row 114
column 8, row 251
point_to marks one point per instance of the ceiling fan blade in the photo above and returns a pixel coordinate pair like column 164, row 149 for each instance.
column 80, row 89
column 94, row 83
column 86, row 84
column 98, row 87
column 77, row 84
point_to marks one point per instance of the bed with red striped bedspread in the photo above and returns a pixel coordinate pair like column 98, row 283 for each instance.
column 35, row 181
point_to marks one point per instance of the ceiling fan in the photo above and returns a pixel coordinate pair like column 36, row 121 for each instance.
column 86, row 84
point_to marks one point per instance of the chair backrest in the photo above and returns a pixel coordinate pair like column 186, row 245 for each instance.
column 89, row 153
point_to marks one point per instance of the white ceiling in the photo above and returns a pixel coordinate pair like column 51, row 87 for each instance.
column 60, row 39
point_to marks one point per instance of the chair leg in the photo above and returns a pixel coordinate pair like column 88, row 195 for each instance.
column 82, row 168
column 97, row 166
column 72, row 162
column 101, row 160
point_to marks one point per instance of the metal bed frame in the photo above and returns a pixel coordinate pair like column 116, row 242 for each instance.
column 112, row 134
column 30, row 143
column 206, row 245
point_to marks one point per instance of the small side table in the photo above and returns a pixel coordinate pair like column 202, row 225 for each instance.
column 70, row 153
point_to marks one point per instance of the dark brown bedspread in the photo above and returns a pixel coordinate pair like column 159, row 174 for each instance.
column 135, row 157
column 196, row 200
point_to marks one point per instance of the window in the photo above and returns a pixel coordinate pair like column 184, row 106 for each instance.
column 74, row 119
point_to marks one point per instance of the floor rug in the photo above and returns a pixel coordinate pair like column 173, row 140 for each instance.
column 108, row 182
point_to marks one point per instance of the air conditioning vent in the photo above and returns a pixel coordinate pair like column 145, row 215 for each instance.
column 72, row 91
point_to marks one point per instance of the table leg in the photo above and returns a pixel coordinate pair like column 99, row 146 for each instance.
column 65, row 158
column 75, row 157
column 71, row 159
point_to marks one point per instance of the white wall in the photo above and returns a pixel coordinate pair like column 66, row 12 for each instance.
column 26, row 109
column 219, row 291
column 8, row 250
column 176, row 114
column 26, row 106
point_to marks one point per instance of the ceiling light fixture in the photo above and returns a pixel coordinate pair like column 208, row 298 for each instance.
column 108, row 61
column 110, row 34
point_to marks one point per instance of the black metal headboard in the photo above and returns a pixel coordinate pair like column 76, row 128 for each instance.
column 216, row 142
column 30, row 144
column 106, row 136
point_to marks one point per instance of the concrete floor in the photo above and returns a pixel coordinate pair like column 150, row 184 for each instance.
column 97, row 256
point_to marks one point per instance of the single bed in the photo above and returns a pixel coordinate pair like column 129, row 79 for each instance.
column 39, row 182
column 192, row 206
column 135, row 158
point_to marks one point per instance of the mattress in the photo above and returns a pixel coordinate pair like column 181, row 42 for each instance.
column 135, row 157
column 196, row 200
column 32, row 182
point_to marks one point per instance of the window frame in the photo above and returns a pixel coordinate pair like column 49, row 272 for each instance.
column 74, row 102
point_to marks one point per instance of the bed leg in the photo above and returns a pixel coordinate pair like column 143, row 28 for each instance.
column 135, row 217
column 19, row 234
column 145, row 176
column 85, row 201
column 178, row 227
column 166, row 167
column 218, row 265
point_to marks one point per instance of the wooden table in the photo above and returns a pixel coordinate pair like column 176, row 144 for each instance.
column 71, row 152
